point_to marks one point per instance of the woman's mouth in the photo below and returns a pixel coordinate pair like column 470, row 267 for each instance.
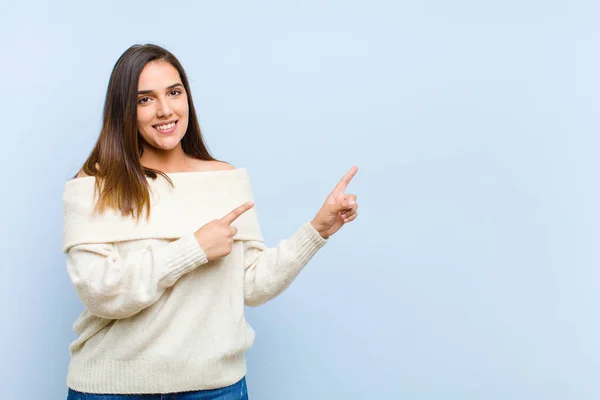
column 166, row 129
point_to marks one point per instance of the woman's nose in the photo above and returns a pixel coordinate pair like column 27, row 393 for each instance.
column 164, row 110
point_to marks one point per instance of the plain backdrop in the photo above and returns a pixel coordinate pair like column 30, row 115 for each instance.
column 472, row 271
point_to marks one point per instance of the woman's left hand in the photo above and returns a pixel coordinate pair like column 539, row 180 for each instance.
column 338, row 209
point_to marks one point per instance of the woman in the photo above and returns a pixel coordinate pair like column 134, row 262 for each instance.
column 164, row 247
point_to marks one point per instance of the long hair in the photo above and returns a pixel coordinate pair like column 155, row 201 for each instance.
column 121, row 180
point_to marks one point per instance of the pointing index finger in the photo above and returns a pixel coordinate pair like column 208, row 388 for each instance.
column 233, row 215
column 343, row 184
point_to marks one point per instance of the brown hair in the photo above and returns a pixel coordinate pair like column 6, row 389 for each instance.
column 115, row 158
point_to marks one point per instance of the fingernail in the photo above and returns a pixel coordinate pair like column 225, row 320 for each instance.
column 351, row 203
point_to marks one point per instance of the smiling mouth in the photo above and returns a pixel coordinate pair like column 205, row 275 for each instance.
column 166, row 128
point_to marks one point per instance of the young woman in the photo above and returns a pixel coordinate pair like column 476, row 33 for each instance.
column 164, row 247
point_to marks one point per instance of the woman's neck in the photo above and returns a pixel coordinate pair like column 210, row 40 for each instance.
column 174, row 160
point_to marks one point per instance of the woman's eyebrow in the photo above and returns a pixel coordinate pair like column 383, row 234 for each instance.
column 151, row 91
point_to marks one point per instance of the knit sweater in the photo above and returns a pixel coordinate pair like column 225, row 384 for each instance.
column 159, row 318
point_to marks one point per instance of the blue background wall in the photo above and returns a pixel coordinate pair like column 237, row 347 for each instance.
column 472, row 271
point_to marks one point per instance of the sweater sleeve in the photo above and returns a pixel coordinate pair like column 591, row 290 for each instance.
column 269, row 271
column 114, row 287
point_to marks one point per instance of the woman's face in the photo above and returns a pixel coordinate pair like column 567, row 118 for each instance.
column 162, row 106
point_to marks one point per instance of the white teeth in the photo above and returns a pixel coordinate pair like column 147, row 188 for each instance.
column 165, row 127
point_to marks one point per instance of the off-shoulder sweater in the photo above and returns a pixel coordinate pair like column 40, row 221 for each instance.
column 159, row 318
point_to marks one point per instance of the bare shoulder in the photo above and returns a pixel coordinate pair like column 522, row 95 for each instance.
column 204, row 165
column 222, row 165
column 82, row 174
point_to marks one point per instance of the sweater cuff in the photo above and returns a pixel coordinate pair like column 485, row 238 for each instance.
column 184, row 255
column 308, row 241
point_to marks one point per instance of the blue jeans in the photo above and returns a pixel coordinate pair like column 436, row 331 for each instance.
column 237, row 391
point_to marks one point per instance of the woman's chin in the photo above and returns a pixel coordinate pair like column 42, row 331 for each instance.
column 166, row 144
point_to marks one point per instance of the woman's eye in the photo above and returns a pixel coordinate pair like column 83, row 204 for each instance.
column 141, row 101
column 176, row 91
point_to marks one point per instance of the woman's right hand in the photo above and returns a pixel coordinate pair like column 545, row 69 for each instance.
column 216, row 237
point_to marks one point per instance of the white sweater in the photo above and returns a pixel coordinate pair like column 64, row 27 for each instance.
column 158, row 317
